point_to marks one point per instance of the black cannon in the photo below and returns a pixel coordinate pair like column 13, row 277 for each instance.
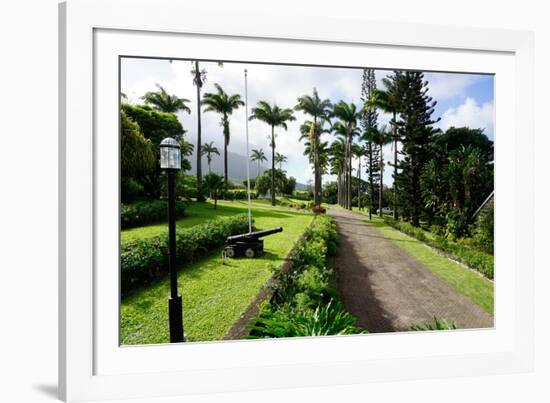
column 249, row 245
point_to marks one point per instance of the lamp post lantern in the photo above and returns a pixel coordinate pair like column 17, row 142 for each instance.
column 170, row 162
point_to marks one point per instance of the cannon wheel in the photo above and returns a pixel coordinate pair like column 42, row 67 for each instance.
column 249, row 252
column 230, row 252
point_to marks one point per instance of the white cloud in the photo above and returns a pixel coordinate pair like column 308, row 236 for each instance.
column 275, row 84
column 281, row 84
column 470, row 114
column 445, row 86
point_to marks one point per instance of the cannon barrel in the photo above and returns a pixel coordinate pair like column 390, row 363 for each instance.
column 254, row 235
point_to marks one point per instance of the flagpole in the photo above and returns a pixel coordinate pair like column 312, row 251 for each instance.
column 247, row 156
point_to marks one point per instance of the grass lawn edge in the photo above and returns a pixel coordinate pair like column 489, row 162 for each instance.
column 465, row 280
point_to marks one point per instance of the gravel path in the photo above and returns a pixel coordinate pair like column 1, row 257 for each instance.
column 388, row 290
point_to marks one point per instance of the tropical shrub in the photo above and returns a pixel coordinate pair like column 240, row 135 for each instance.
column 301, row 195
column 143, row 260
column 147, row 212
column 439, row 324
column 238, row 194
column 213, row 184
column 319, row 210
column 483, row 231
column 324, row 320
column 475, row 259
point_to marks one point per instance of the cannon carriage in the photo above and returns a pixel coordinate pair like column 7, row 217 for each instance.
column 250, row 245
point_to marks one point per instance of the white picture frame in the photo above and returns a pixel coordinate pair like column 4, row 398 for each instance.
column 94, row 33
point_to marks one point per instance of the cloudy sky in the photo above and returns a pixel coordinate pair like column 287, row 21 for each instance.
column 463, row 100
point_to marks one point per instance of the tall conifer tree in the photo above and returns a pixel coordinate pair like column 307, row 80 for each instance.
column 416, row 131
column 369, row 122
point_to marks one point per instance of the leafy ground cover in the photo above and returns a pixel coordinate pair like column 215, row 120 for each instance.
column 214, row 295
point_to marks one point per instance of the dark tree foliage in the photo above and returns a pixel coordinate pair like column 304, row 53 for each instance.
column 459, row 177
column 136, row 151
column 455, row 137
column 136, row 158
column 416, row 131
column 283, row 184
column 290, row 186
column 330, row 192
column 214, row 184
column 155, row 126
column 369, row 122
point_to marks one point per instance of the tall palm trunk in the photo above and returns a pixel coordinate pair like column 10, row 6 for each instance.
column 346, row 169
column 350, row 196
column 317, row 184
column 199, row 159
column 359, row 184
column 225, row 144
column 338, row 188
column 272, row 165
column 394, row 168
column 225, row 164
column 381, row 178
column 371, row 184
column 345, row 189
column 209, row 166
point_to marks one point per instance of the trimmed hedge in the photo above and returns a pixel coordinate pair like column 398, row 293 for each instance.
column 144, row 260
column 477, row 260
column 305, row 302
column 147, row 212
column 238, row 194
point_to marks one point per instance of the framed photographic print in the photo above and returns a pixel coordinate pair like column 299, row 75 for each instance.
column 245, row 209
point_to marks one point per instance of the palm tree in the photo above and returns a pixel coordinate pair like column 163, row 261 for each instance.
column 199, row 78
column 280, row 159
column 208, row 149
column 359, row 152
column 381, row 138
column 223, row 104
column 259, row 157
column 164, row 102
column 273, row 116
column 338, row 163
column 318, row 109
column 346, row 126
column 307, row 136
column 214, row 183
column 388, row 101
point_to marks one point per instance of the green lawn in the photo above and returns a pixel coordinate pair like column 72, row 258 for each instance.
column 198, row 213
column 467, row 282
column 214, row 295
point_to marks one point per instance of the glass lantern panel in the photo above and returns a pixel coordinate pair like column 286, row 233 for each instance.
column 170, row 158
column 174, row 158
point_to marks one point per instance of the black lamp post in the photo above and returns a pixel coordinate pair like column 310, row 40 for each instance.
column 170, row 162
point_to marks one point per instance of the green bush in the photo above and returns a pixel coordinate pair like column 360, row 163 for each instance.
column 324, row 320
column 144, row 260
column 475, row 259
column 483, row 231
column 147, row 212
column 301, row 195
column 439, row 324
